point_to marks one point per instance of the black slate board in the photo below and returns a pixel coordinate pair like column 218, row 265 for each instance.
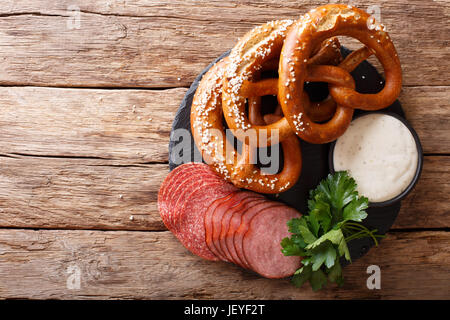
column 315, row 157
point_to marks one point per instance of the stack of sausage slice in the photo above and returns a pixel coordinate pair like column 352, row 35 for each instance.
column 216, row 221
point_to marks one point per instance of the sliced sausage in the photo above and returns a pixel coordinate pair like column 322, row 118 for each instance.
column 189, row 189
column 217, row 220
column 191, row 217
column 168, row 197
column 261, row 243
column 247, row 216
column 209, row 224
column 234, row 224
column 225, row 223
column 168, row 183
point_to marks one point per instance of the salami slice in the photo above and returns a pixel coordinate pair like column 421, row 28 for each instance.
column 209, row 224
column 247, row 216
column 217, row 220
column 261, row 243
column 234, row 224
column 225, row 223
column 188, row 189
column 186, row 175
column 216, row 224
column 182, row 175
column 191, row 219
column 184, row 186
column 167, row 184
column 168, row 195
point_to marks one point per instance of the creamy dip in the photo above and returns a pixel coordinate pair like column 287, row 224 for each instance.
column 380, row 153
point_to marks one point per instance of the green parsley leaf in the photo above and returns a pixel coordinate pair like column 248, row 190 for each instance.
column 300, row 227
column 298, row 240
column 343, row 250
column 307, row 261
column 324, row 253
column 321, row 205
column 301, row 276
column 321, row 210
column 307, row 235
column 320, row 238
column 313, row 223
column 355, row 210
column 319, row 256
column 318, row 280
column 331, row 257
column 295, row 223
column 290, row 248
column 335, row 236
column 340, row 190
column 335, row 274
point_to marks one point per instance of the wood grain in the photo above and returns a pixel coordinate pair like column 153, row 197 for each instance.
column 428, row 111
column 101, row 194
column 427, row 205
column 133, row 126
column 79, row 194
column 123, row 265
column 76, row 158
column 167, row 43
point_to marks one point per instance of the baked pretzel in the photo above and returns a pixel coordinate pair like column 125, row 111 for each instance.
column 327, row 53
column 218, row 152
column 327, row 108
column 312, row 29
column 257, row 49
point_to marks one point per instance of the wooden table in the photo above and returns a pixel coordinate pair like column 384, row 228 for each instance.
column 87, row 100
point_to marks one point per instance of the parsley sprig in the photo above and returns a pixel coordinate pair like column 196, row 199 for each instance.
column 321, row 237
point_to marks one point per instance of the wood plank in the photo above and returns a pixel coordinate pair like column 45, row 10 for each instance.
column 100, row 194
column 79, row 194
column 133, row 126
column 166, row 43
column 154, row 265
column 428, row 111
column 427, row 205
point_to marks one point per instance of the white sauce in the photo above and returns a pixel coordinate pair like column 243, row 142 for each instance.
column 380, row 153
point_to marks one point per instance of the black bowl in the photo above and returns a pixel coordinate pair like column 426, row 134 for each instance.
column 419, row 160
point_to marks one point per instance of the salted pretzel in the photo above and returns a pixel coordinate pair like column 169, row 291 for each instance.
column 326, row 109
column 257, row 49
column 210, row 138
column 312, row 29
column 328, row 53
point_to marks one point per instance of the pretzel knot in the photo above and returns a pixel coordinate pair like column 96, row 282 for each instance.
column 313, row 28
column 303, row 51
column 218, row 152
column 207, row 114
column 258, row 50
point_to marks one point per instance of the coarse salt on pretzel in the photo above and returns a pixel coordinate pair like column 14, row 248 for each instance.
column 262, row 44
column 256, row 50
column 313, row 28
column 328, row 53
column 210, row 138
